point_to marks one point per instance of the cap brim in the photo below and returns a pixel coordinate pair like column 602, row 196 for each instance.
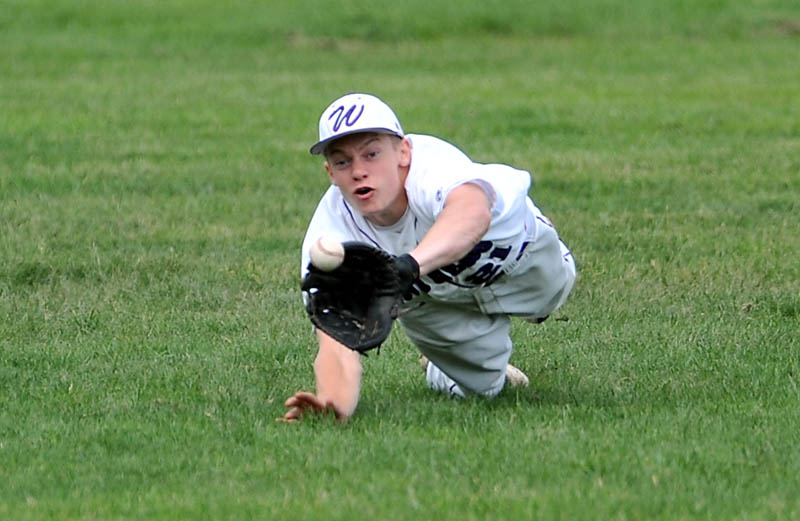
column 319, row 146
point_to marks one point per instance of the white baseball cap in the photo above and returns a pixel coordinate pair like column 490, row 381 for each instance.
column 354, row 113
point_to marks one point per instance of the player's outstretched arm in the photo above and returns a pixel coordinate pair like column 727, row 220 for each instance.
column 338, row 375
column 464, row 220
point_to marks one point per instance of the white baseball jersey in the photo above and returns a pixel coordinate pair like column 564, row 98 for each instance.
column 437, row 167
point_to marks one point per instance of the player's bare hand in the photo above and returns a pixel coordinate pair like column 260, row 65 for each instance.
column 302, row 402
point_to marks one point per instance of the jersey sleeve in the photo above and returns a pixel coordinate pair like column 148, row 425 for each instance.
column 444, row 168
column 509, row 185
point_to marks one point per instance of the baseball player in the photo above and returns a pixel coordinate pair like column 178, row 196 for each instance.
column 479, row 249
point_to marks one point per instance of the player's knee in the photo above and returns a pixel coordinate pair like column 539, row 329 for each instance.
column 494, row 387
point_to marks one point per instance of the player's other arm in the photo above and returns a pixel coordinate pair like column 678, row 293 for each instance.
column 337, row 370
column 338, row 374
column 464, row 220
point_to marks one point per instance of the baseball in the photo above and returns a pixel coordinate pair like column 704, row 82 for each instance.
column 327, row 254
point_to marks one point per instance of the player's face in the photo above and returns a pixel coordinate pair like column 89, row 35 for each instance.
column 370, row 170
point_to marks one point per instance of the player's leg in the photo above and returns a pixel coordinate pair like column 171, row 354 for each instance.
column 439, row 381
column 568, row 263
column 468, row 351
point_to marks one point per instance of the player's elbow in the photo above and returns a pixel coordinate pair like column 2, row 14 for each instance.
column 484, row 219
column 480, row 219
column 476, row 213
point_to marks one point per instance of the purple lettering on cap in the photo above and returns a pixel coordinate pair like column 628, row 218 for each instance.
column 345, row 117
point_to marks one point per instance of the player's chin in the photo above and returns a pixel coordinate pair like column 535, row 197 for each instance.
column 366, row 206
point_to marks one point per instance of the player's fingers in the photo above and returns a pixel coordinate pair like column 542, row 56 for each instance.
column 300, row 397
column 295, row 414
column 305, row 395
column 305, row 399
column 292, row 415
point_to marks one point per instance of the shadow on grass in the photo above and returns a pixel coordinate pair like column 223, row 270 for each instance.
column 421, row 403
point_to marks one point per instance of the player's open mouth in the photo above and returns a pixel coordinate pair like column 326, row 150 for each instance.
column 364, row 192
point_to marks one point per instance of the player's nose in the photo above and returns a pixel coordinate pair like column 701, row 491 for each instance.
column 358, row 170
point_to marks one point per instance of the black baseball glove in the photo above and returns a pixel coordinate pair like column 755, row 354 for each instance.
column 357, row 302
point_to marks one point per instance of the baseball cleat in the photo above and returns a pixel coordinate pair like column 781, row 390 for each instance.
column 515, row 377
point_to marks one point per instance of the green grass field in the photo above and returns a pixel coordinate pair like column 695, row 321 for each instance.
column 155, row 185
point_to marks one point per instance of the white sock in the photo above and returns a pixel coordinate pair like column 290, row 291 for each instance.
column 438, row 381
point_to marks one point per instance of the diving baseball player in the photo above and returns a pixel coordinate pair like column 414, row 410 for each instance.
column 473, row 250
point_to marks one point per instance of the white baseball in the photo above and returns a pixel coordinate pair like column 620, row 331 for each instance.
column 327, row 254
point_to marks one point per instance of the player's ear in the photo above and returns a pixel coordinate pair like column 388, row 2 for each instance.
column 405, row 152
column 330, row 172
